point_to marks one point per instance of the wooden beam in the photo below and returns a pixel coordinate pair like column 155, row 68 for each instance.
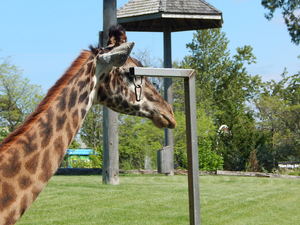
column 191, row 130
column 110, row 173
column 192, row 149
column 161, row 72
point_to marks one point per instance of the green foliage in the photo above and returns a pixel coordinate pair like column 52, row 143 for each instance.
column 138, row 139
column 209, row 160
column 93, row 161
column 18, row 97
column 294, row 173
column 278, row 113
column 96, row 161
column 3, row 133
column 74, row 144
column 77, row 162
column 253, row 164
column 290, row 13
column 91, row 130
column 224, row 88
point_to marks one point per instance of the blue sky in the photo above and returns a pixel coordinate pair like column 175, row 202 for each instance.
column 43, row 37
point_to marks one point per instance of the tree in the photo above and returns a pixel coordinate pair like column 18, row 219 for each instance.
column 224, row 88
column 138, row 139
column 209, row 160
column 279, row 116
column 91, row 130
column 18, row 97
column 290, row 12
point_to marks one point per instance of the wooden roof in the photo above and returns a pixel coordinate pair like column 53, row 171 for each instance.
column 172, row 15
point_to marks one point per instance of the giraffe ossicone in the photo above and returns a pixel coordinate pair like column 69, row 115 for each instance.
column 31, row 154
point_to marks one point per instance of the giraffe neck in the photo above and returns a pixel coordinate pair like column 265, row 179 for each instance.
column 32, row 154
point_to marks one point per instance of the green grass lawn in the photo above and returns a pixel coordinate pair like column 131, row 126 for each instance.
column 161, row 200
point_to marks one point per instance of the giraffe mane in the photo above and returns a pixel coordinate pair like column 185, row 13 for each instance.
column 51, row 95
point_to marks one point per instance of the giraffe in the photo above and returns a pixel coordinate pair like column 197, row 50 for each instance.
column 32, row 153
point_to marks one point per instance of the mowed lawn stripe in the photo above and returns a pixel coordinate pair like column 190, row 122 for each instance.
column 162, row 200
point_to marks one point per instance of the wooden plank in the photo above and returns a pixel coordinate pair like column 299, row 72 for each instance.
column 192, row 149
column 160, row 72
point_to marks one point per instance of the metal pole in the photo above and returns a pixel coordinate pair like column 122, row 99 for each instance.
column 110, row 168
column 168, row 93
column 192, row 149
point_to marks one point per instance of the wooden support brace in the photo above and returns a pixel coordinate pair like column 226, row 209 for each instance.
column 191, row 130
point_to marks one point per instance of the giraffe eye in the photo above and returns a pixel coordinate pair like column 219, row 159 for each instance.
column 156, row 85
column 150, row 97
column 129, row 77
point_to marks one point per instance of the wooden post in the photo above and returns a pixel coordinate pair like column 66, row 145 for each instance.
column 165, row 162
column 192, row 149
column 168, row 95
column 110, row 169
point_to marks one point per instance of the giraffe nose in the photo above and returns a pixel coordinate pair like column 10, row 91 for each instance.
column 126, row 47
column 129, row 45
column 172, row 123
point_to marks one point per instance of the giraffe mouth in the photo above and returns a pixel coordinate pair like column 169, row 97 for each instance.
column 164, row 121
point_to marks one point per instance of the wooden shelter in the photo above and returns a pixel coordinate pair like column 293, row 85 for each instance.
column 171, row 15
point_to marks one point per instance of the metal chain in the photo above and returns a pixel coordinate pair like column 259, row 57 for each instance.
column 138, row 88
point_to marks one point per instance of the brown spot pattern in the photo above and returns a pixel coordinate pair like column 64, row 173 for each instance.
column 101, row 94
column 59, row 147
column 125, row 105
column 87, row 100
column 62, row 100
column 10, row 219
column 106, row 79
column 13, row 165
column 81, row 84
column 69, row 133
column 24, row 182
column 32, row 164
column 83, row 96
column 46, row 173
column 46, row 128
column 75, row 119
column 72, row 99
column 7, row 196
column 29, row 143
column 132, row 97
column 60, row 121
column 83, row 112
column 150, row 97
column 89, row 67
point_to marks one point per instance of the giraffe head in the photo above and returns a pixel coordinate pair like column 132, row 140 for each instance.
column 126, row 94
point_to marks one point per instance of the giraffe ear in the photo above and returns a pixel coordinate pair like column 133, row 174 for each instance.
column 117, row 56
